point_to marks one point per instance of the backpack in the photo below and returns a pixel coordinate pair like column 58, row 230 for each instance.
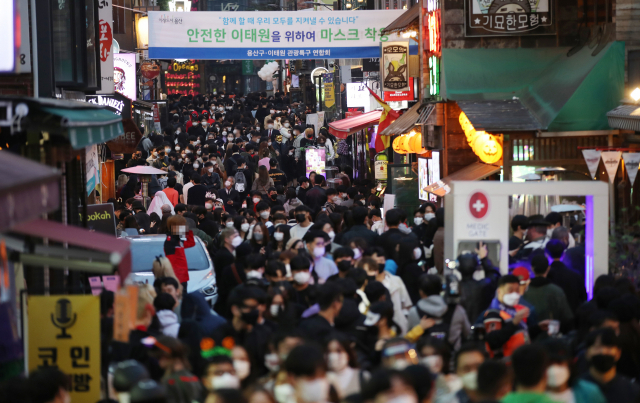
column 440, row 330
column 241, row 182
column 342, row 148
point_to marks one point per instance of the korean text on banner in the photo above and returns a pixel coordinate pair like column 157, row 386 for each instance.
column 395, row 66
column 631, row 163
column 243, row 35
column 105, row 32
column 64, row 332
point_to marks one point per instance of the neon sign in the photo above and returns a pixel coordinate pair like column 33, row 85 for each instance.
column 433, row 44
column 433, row 27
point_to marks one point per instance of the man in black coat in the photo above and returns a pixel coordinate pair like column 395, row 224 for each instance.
column 141, row 216
column 390, row 238
column 278, row 176
column 211, row 180
column 316, row 197
column 198, row 193
column 204, row 223
column 230, row 196
column 359, row 230
column 572, row 283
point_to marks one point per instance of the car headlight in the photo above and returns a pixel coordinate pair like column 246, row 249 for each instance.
column 211, row 289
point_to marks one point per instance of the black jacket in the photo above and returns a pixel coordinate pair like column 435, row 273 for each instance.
column 234, row 196
column 315, row 199
column 359, row 231
column 279, row 177
column 197, row 195
column 571, row 283
column 212, row 183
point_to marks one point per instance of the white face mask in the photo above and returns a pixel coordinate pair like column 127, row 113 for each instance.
column 332, row 235
column 301, row 277
column 196, row 123
column 204, row 124
column 256, row 200
column 264, row 214
column 244, row 227
column 318, row 251
column 210, row 169
column 155, row 153
column 235, row 242
column 356, row 253
column 236, row 131
column 270, row 126
column 417, row 220
column 337, row 361
column 225, row 381
column 229, row 224
column 179, row 160
column 313, row 391
column 429, row 216
column 470, row 380
column 286, row 125
column 227, row 184
column 511, row 299
column 243, row 368
column 272, row 111
column 278, row 236
column 284, row 393
column 258, row 236
column 557, row 375
column 196, row 166
column 269, row 144
column 199, row 152
column 417, row 253
column 274, row 309
column 167, row 150
column 208, row 206
column 433, row 362
column 177, row 148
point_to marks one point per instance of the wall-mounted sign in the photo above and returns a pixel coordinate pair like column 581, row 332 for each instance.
column 358, row 96
column 371, row 64
column 395, row 66
column 509, row 17
column 184, row 78
column 243, row 35
column 433, row 46
column 124, row 74
column 401, row 95
column 116, row 103
column 100, row 218
column 105, row 32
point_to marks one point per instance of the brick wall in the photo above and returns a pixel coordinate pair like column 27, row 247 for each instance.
column 19, row 84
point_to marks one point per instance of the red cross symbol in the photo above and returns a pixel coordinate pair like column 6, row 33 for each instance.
column 478, row 205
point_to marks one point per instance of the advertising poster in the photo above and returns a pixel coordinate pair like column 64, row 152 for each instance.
column 124, row 74
column 423, row 178
column 509, row 17
column 185, row 78
column 434, row 172
column 64, row 332
column 101, row 218
column 105, row 15
column 395, row 66
column 92, row 168
column 315, row 160
column 245, row 35
column 329, row 90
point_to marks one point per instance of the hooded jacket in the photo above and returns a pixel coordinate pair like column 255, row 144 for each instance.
column 436, row 307
column 169, row 325
column 195, row 306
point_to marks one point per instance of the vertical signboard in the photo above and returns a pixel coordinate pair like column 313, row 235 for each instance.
column 92, row 168
column 23, row 64
column 329, row 91
column 124, row 74
column 395, row 66
column 433, row 45
column 105, row 32
column 64, row 332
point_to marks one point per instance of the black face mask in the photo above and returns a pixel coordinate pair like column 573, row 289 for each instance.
column 344, row 266
column 381, row 267
column 371, row 278
column 301, row 217
column 603, row 362
column 273, row 197
column 251, row 317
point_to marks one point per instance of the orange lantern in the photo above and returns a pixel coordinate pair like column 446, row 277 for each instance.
column 487, row 147
column 415, row 143
column 401, row 145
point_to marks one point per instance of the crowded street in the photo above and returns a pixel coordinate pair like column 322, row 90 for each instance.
column 360, row 201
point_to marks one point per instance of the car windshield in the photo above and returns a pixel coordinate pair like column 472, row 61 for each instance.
column 144, row 251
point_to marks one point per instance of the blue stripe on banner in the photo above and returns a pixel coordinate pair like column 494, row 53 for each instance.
column 268, row 53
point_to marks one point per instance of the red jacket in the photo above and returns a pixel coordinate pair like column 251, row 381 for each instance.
column 174, row 250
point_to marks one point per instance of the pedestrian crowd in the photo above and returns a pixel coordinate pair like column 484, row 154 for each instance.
column 323, row 298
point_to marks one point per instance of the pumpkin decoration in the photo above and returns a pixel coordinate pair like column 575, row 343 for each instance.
column 415, row 143
column 150, row 70
column 487, row 147
column 401, row 144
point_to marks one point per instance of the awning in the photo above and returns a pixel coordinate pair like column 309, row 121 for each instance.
column 473, row 172
column 499, row 115
column 345, row 127
column 406, row 122
column 82, row 123
column 626, row 117
column 408, row 20
column 101, row 253
column 27, row 190
column 562, row 93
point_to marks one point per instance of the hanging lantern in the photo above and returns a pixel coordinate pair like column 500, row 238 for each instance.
column 415, row 143
column 487, row 147
column 401, row 145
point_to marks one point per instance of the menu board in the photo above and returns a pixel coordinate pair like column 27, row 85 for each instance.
column 184, row 78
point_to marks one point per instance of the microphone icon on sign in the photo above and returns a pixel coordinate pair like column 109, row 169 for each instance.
column 62, row 319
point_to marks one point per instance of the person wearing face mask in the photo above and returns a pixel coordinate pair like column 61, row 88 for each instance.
column 476, row 295
column 303, row 186
column 270, row 130
column 182, row 386
column 230, row 196
column 562, row 385
column 204, row 223
column 467, row 362
column 242, row 365
column 229, row 241
column 323, row 267
column 210, row 179
column 435, row 355
column 303, row 217
column 530, row 365
column 304, row 293
column 281, row 236
column 247, row 304
column 603, row 352
column 343, row 373
column 306, row 370
column 220, row 374
column 448, row 321
column 515, row 322
column 321, row 325
column 259, row 238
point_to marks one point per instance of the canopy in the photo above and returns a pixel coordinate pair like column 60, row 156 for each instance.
column 473, row 172
column 82, row 123
column 408, row 20
column 505, row 116
column 562, row 93
column 113, row 253
column 405, row 122
column 27, row 189
column 345, row 127
column 144, row 170
column 626, row 117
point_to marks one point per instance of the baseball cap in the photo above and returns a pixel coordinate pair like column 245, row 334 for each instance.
column 522, row 274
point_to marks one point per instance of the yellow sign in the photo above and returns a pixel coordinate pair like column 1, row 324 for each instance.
column 329, row 91
column 64, row 332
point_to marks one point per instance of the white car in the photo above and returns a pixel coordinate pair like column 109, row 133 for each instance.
column 202, row 275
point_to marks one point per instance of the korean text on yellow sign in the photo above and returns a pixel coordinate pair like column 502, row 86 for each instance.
column 64, row 332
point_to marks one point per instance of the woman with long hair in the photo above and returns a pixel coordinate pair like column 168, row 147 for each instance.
column 281, row 236
column 264, row 181
column 241, row 225
column 291, row 201
column 259, row 238
column 131, row 223
column 343, row 365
